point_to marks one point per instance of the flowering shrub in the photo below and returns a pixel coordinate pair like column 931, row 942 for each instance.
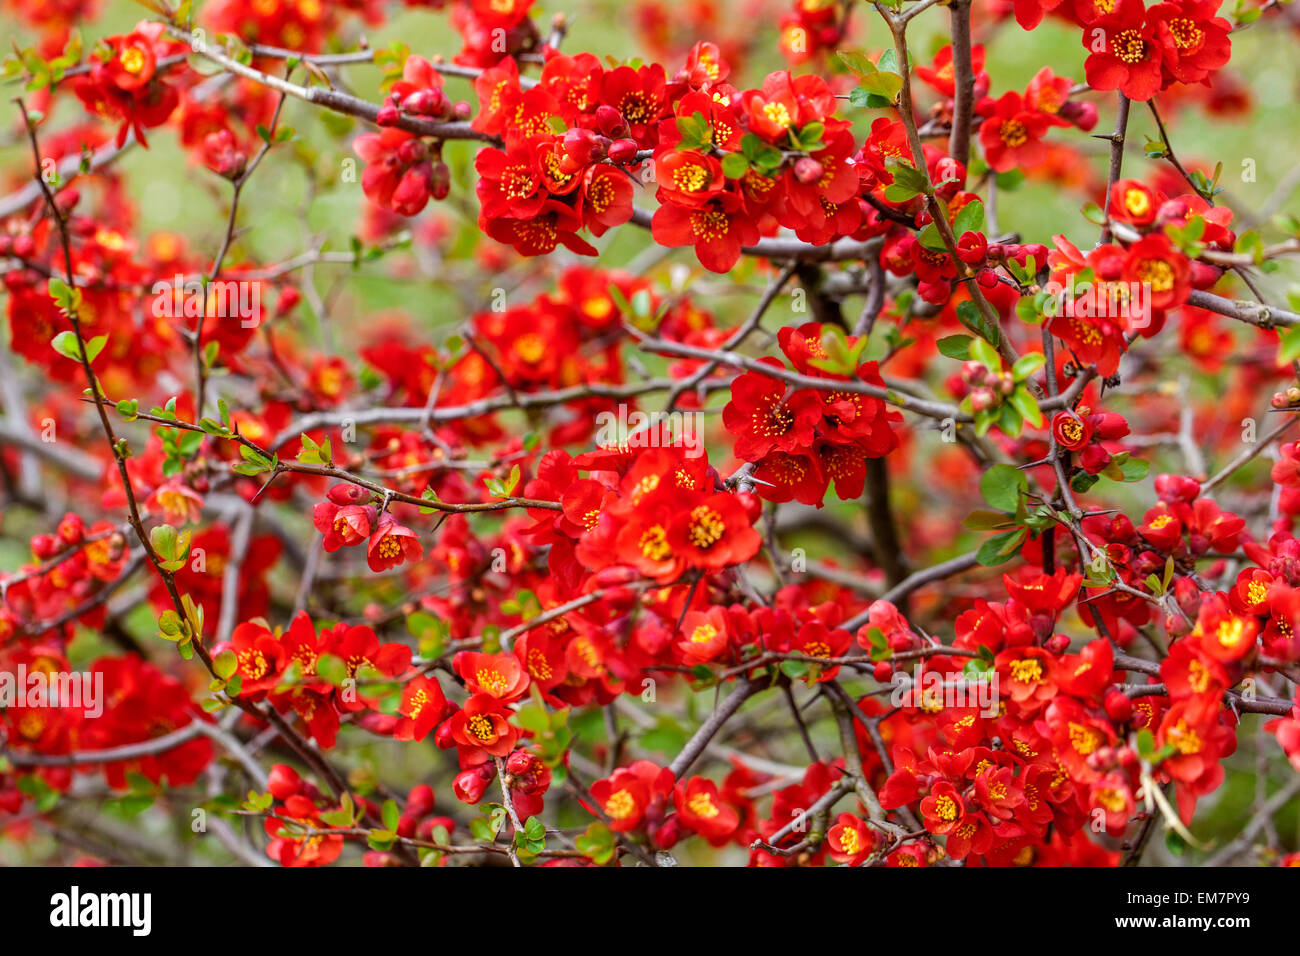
column 480, row 519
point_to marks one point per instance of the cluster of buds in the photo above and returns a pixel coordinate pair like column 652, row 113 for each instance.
column 419, row 93
column 988, row 389
column 611, row 139
column 223, row 156
column 1286, row 399
column 994, row 253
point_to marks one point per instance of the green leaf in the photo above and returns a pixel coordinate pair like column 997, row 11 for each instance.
column 1027, row 310
column 534, row 829
column 95, row 346
column 884, row 84
column 1027, row 365
column 969, row 219
column 1000, row 547
column 984, row 353
column 533, row 718
column 970, row 316
column 1288, row 345
column 988, row 521
column 67, row 298
column 225, row 664
column 66, row 344
column 1002, row 486
column 1134, row 469
column 858, row 63
column 734, row 165
column 1023, row 401
column 955, row 346
column 391, row 815
column 597, row 843
column 930, row 239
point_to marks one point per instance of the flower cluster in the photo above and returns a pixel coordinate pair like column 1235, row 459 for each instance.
column 803, row 439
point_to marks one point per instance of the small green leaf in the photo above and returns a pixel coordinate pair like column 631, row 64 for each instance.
column 955, row 346
column 1002, row 486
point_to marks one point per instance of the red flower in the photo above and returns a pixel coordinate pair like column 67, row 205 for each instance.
column 1071, row 430
column 1193, row 40
column 497, row 675
column 126, row 87
column 482, row 729
column 940, row 73
column 943, row 810
column 688, row 178
column 1154, row 262
column 718, row 230
column 399, row 172
column 606, row 198
column 714, row 534
column 850, row 840
column 1130, row 58
column 706, row 636
column 347, row 525
column 762, row 417
column 784, row 476
column 259, row 655
column 702, row 810
column 1134, row 202
column 421, row 709
column 392, row 544
column 627, row 794
column 1012, row 135
column 555, row 225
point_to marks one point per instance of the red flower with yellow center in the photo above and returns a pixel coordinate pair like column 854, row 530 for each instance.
column 714, row 534
column 943, row 811
column 482, row 729
column 701, row 809
column 421, row 709
column 1012, row 135
column 497, row 675
column 392, row 544
column 1130, row 57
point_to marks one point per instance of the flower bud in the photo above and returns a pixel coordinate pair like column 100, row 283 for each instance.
column 470, row 785
column 610, row 121
column 808, row 170
column 283, row 782
column 1056, row 644
column 622, row 151
column 1119, row 707
column 519, row 763
column 982, row 399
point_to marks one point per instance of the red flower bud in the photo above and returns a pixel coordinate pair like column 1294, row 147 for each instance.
column 470, row 785
column 971, row 249
column 45, row 546
column 1119, row 707
column 622, row 151
column 72, row 529
column 283, row 782
column 519, row 762
column 610, row 121
column 808, row 171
